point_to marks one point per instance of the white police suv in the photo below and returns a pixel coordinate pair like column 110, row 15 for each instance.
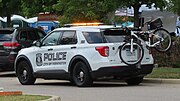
column 81, row 55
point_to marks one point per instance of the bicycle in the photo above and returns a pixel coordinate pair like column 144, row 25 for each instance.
column 132, row 52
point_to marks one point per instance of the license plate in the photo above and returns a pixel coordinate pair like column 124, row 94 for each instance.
column 128, row 53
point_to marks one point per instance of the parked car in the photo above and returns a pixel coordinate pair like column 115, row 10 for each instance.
column 14, row 39
column 81, row 55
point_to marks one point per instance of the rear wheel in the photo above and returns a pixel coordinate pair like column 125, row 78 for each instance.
column 163, row 37
column 134, row 81
column 131, row 58
column 81, row 76
column 25, row 74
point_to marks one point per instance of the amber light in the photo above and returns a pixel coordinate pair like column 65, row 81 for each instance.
column 87, row 24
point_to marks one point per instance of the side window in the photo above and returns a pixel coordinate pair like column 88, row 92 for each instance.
column 41, row 35
column 32, row 35
column 94, row 37
column 52, row 39
column 23, row 36
column 35, row 35
column 69, row 37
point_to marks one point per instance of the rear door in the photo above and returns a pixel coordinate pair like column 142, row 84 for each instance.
column 115, row 38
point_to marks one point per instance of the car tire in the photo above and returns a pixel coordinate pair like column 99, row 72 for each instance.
column 81, row 75
column 134, row 81
column 25, row 74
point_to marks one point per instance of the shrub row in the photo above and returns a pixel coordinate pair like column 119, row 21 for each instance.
column 170, row 58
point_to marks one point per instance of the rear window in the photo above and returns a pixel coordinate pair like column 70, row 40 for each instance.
column 6, row 35
column 115, row 36
column 94, row 37
column 115, row 39
column 105, row 36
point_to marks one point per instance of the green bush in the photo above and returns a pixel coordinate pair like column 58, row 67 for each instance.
column 176, row 64
column 170, row 58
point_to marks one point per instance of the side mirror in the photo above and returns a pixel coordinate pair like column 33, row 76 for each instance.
column 37, row 43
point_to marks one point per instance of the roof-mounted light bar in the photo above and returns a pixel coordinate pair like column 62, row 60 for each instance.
column 84, row 24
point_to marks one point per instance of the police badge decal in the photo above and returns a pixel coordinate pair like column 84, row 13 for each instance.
column 39, row 59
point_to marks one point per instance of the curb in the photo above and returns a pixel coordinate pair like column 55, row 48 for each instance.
column 161, row 81
column 9, row 93
column 53, row 98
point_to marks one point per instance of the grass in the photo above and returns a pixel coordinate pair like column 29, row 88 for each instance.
column 24, row 98
column 168, row 73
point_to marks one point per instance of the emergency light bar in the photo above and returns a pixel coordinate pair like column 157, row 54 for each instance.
column 84, row 24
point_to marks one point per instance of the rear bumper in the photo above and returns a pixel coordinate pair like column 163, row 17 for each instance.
column 122, row 72
column 7, row 62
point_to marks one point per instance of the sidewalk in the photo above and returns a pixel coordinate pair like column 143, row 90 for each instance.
column 161, row 80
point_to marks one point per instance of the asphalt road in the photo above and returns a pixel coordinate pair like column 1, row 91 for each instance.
column 101, row 91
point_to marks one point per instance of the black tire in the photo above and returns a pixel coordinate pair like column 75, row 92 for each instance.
column 25, row 74
column 164, row 37
column 81, row 75
column 134, row 81
column 131, row 58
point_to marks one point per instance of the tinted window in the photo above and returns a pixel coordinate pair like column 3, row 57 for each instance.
column 23, row 36
column 31, row 35
column 5, row 35
column 52, row 39
column 35, row 35
column 94, row 37
column 115, row 39
column 69, row 37
column 114, row 36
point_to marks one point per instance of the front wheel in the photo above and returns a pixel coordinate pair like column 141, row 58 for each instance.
column 163, row 40
column 81, row 75
column 131, row 58
column 25, row 74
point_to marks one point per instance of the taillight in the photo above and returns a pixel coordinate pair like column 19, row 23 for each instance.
column 12, row 45
column 103, row 50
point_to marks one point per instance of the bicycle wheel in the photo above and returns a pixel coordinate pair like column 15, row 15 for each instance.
column 131, row 58
column 163, row 37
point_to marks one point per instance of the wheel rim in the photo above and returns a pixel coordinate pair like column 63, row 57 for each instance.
column 23, row 73
column 80, row 76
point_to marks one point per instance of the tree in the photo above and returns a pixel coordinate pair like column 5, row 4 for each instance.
column 136, row 4
column 85, row 10
column 31, row 8
column 99, row 10
column 79, row 10
column 174, row 5
column 9, row 7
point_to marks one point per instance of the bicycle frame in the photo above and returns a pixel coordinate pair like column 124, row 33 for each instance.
column 148, row 43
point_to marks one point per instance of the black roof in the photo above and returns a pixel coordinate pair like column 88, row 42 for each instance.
column 19, row 28
column 7, row 29
column 10, row 30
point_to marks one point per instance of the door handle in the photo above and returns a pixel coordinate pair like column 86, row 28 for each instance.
column 50, row 49
column 73, row 47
